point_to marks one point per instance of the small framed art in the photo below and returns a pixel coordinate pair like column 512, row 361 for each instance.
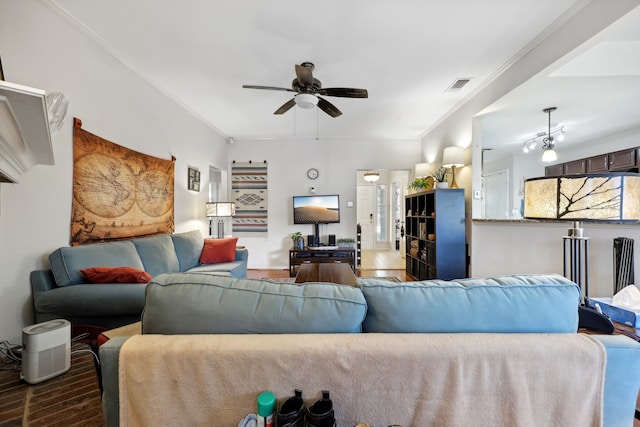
column 193, row 182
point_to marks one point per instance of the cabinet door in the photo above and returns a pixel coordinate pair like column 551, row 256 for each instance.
column 554, row 170
column 575, row 167
column 622, row 160
column 598, row 163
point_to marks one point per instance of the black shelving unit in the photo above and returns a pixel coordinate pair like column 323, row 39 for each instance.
column 436, row 235
column 358, row 246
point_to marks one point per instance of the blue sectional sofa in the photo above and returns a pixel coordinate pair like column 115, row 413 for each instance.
column 63, row 292
column 482, row 352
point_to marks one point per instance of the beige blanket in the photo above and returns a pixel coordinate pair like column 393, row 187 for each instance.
column 408, row 379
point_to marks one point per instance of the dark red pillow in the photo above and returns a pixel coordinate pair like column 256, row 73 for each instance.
column 115, row 275
column 215, row 251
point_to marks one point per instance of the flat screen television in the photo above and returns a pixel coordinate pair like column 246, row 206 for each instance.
column 316, row 209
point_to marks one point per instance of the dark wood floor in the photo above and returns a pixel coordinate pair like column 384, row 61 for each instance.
column 71, row 399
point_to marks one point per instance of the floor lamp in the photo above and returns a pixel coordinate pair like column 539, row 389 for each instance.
column 607, row 197
column 220, row 210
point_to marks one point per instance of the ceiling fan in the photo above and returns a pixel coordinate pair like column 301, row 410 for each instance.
column 308, row 88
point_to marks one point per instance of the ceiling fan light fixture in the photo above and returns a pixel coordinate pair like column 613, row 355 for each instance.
column 306, row 100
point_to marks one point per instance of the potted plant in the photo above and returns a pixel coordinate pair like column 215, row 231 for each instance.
column 422, row 184
column 440, row 176
column 298, row 240
column 346, row 242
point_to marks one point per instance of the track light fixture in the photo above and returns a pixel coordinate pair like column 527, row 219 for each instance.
column 547, row 138
column 549, row 154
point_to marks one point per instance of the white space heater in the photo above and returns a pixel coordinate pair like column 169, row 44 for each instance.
column 46, row 350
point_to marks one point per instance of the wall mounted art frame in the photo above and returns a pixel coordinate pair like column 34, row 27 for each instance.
column 118, row 193
column 193, row 179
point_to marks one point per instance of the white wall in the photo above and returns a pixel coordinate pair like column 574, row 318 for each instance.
column 337, row 161
column 41, row 50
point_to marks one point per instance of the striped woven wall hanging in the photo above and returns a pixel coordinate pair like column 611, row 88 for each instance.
column 249, row 193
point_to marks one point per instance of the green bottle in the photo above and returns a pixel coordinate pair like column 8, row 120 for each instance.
column 266, row 409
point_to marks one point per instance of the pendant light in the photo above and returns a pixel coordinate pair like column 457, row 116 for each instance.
column 549, row 154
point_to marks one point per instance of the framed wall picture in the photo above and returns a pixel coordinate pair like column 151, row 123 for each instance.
column 193, row 177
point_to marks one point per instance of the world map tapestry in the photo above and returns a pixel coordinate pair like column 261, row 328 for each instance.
column 249, row 192
column 118, row 193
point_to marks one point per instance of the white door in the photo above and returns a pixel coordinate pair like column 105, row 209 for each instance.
column 495, row 204
column 365, row 215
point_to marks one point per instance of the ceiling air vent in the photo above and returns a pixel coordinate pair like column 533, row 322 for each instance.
column 458, row 84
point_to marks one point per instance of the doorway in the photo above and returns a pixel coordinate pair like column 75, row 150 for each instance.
column 495, row 203
column 380, row 213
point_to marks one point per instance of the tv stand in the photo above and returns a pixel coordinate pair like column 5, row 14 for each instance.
column 320, row 255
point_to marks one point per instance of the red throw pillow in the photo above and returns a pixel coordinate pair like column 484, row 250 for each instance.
column 115, row 275
column 218, row 250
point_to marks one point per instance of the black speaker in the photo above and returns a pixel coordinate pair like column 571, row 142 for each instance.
column 312, row 241
column 332, row 239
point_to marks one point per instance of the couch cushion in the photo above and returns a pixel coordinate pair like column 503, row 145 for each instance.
column 218, row 250
column 189, row 303
column 115, row 275
column 67, row 262
column 188, row 247
column 522, row 303
column 235, row 269
column 157, row 254
column 110, row 299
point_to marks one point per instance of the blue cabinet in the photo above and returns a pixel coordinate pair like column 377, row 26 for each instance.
column 436, row 239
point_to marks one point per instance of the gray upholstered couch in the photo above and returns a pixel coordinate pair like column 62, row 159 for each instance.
column 483, row 352
column 63, row 292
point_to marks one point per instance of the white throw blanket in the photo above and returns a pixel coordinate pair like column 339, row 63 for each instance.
column 438, row 380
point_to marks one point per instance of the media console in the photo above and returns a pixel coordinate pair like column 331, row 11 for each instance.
column 320, row 255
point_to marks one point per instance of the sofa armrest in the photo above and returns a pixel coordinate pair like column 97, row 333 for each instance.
column 622, row 378
column 42, row 281
column 109, row 364
column 242, row 254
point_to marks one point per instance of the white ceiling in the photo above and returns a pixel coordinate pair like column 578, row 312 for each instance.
column 405, row 53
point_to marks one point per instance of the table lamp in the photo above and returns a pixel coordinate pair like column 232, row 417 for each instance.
column 453, row 157
column 220, row 210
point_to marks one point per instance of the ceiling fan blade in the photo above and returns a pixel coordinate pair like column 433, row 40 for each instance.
column 344, row 92
column 267, row 88
column 328, row 107
column 286, row 106
column 305, row 75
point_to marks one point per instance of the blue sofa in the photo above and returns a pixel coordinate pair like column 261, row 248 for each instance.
column 381, row 348
column 62, row 291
